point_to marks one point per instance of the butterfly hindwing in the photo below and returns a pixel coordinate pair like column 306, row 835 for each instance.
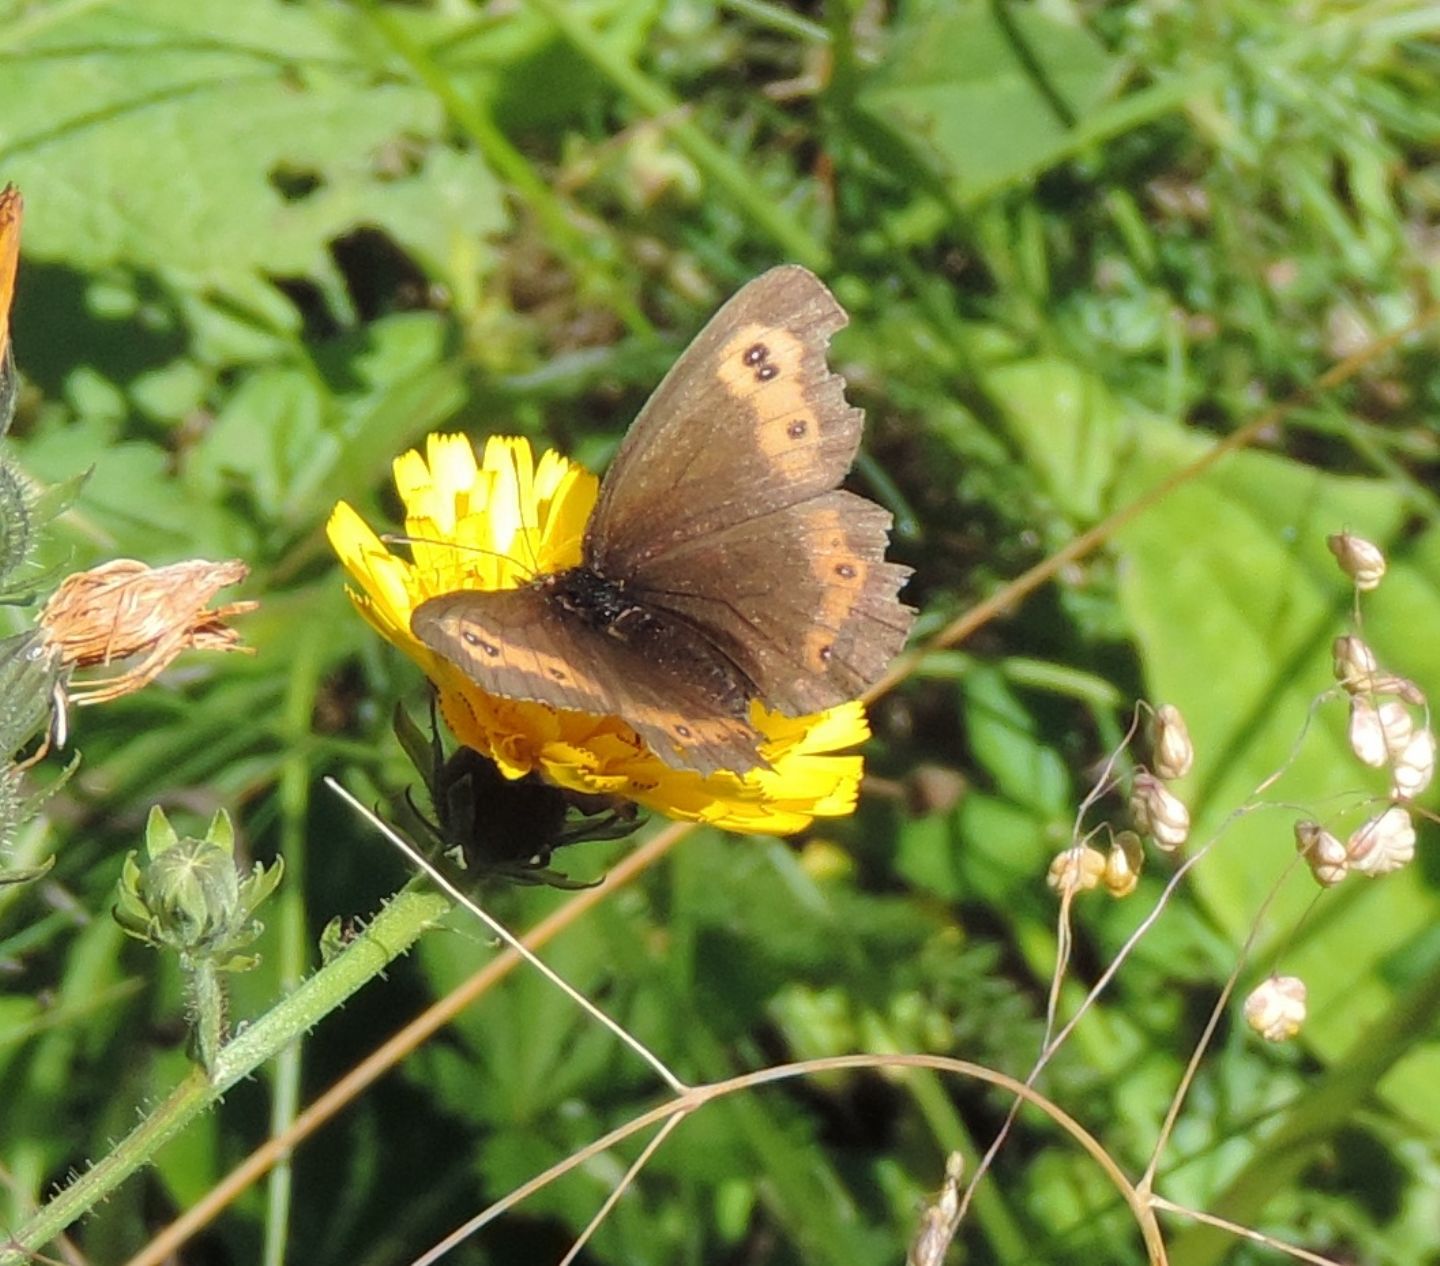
column 805, row 594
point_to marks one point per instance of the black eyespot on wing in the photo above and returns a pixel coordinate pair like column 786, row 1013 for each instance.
column 756, row 353
column 474, row 639
column 766, row 372
column 797, row 429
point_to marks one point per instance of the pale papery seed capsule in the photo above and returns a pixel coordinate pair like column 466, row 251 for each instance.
column 1174, row 753
column 1355, row 663
column 1398, row 723
column 1361, row 560
column 1123, row 864
column 1366, row 734
column 1077, row 869
column 1327, row 858
column 1275, row 1008
column 1159, row 812
column 1382, row 844
column 1414, row 766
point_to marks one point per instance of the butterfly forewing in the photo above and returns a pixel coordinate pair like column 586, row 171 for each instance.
column 749, row 420
column 519, row 644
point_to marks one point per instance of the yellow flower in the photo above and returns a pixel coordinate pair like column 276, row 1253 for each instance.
column 494, row 526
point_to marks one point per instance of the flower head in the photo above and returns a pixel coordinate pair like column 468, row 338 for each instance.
column 126, row 610
column 497, row 523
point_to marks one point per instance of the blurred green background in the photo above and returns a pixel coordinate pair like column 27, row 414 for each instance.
column 269, row 246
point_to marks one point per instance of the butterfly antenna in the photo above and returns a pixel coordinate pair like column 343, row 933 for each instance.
column 404, row 538
column 504, row 934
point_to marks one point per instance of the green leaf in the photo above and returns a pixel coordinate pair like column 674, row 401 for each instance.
column 983, row 92
column 1067, row 425
column 154, row 134
column 1235, row 601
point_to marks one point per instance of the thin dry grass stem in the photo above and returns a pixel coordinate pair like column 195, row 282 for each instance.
column 461, row 898
column 697, row 1097
column 1107, row 780
column 1244, row 1232
column 125, row 610
column 1028, row 582
column 394, row 1049
column 1212, row 1022
column 624, row 1185
column 940, row 1220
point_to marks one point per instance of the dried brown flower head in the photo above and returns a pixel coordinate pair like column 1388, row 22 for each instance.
column 125, row 610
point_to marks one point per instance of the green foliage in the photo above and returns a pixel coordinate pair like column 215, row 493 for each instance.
column 263, row 255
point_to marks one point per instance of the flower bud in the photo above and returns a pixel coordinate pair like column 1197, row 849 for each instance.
column 1414, row 766
column 1327, row 857
column 1158, row 812
column 1077, row 869
column 1362, row 561
column 1275, row 1008
column 1384, row 843
column 189, row 897
column 1355, row 663
column 1174, row 753
column 1123, row 864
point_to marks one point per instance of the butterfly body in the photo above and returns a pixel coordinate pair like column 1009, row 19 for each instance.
column 721, row 563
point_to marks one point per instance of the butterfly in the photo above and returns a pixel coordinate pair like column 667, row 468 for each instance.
column 721, row 563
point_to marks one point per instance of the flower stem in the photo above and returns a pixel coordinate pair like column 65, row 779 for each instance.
column 207, row 1001
column 394, row 931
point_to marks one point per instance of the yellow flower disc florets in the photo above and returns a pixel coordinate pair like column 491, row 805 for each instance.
column 496, row 525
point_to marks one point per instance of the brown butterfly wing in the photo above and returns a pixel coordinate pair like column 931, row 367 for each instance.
column 517, row 644
column 804, row 592
column 749, row 420
column 720, row 505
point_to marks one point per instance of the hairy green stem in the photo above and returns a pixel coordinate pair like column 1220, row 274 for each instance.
column 394, row 930
column 207, row 1002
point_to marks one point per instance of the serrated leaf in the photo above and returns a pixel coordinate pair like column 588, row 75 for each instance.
column 152, row 134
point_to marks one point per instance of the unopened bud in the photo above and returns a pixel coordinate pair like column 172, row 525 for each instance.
column 1275, row 1008
column 1077, row 869
column 1158, row 812
column 1327, row 857
column 1355, row 663
column 1414, row 766
column 1359, row 559
column 1123, row 864
column 1383, row 843
column 1174, row 753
